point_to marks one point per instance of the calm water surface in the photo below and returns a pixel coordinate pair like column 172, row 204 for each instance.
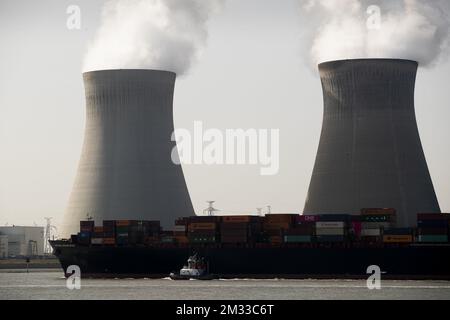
column 50, row 284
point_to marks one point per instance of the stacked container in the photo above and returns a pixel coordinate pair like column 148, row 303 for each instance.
column 97, row 236
column 433, row 228
column 274, row 226
column 374, row 221
column 109, row 232
column 332, row 228
column 122, row 232
column 203, row 230
column 355, row 228
column 180, row 231
column 398, row 235
column 86, row 231
column 239, row 229
column 303, row 230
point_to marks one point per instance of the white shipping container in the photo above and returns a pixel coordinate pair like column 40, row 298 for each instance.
column 330, row 231
column 97, row 241
column 371, row 232
column 332, row 224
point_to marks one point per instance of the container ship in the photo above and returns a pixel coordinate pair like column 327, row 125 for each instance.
column 270, row 246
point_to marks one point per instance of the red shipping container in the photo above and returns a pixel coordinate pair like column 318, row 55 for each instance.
column 357, row 227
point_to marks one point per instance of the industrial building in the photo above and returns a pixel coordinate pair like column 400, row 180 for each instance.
column 126, row 169
column 19, row 241
column 370, row 154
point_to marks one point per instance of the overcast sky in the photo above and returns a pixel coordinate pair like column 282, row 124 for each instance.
column 252, row 75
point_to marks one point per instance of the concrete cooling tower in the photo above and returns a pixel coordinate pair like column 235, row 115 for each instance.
column 126, row 170
column 370, row 154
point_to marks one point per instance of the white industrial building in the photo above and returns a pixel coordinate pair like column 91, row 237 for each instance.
column 16, row 241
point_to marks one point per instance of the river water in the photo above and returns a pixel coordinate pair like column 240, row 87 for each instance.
column 50, row 284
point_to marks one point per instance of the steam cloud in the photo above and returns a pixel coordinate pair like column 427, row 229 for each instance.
column 150, row 34
column 410, row 29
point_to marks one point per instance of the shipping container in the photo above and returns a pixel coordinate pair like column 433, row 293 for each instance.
column 199, row 239
column 376, row 225
column 297, row 239
column 239, row 219
column 433, row 238
column 371, row 239
column 234, row 239
column 398, row 231
column 277, row 226
column 97, row 241
column 334, row 217
column 180, row 228
column 377, row 218
column 202, row 226
column 330, row 238
column 122, row 240
column 204, row 219
column 432, row 224
column 109, row 225
column 433, row 216
column 330, row 231
column 398, row 238
column 378, row 211
column 168, row 239
column 276, row 239
column 280, row 218
column 332, row 225
column 432, row 231
column 109, row 241
column 370, row 232
column 356, row 226
column 181, row 239
column 123, row 223
column 300, row 231
column 87, row 226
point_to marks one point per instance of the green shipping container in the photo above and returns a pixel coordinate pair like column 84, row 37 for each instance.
column 297, row 239
column 433, row 238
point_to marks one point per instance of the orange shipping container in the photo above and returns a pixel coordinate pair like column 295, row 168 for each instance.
column 109, row 241
column 98, row 229
column 398, row 239
column 122, row 223
column 276, row 239
column 181, row 239
column 202, row 226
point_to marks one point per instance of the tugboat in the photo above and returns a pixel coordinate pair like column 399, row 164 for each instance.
column 196, row 269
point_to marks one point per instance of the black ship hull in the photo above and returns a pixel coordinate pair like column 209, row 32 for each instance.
column 407, row 262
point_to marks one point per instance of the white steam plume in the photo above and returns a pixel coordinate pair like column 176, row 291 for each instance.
column 150, row 34
column 409, row 29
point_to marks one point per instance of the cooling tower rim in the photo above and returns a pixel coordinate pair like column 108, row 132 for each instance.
column 91, row 72
column 342, row 61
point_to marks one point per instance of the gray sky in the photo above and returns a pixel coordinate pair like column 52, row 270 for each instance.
column 252, row 75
